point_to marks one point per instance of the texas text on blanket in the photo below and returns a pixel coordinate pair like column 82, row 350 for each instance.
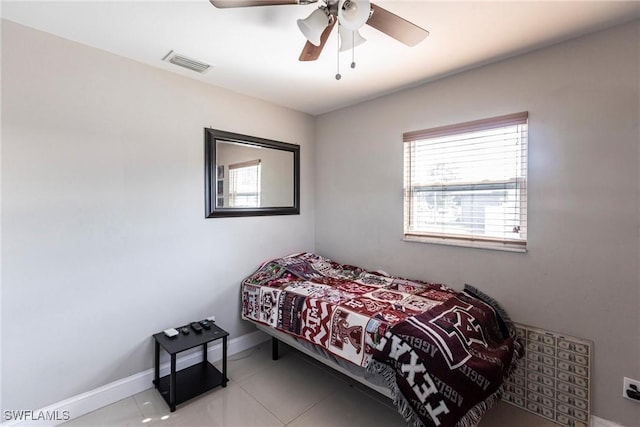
column 468, row 356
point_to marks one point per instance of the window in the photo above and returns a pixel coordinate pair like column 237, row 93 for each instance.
column 466, row 184
column 244, row 184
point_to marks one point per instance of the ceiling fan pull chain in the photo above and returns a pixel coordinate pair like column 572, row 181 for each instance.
column 353, row 49
column 338, row 75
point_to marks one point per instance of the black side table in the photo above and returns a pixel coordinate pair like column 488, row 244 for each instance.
column 178, row 387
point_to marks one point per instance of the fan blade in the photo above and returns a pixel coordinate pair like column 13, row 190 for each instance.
column 311, row 52
column 223, row 4
column 394, row 26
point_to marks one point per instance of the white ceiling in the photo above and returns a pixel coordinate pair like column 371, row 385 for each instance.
column 255, row 50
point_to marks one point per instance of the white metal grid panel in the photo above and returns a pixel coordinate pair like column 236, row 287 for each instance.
column 553, row 380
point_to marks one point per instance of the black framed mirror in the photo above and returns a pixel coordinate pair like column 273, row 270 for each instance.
column 250, row 176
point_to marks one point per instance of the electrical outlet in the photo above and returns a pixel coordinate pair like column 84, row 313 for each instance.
column 631, row 389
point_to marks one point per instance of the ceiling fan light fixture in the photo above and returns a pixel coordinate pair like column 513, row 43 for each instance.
column 353, row 14
column 349, row 39
column 313, row 25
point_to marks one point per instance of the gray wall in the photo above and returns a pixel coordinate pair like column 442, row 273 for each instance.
column 103, row 229
column 580, row 276
column 104, row 239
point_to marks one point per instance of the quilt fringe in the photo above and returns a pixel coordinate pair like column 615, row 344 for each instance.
column 518, row 346
column 470, row 419
column 474, row 415
column 399, row 401
column 492, row 302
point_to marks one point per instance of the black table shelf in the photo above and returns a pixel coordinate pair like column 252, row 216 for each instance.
column 190, row 382
column 180, row 386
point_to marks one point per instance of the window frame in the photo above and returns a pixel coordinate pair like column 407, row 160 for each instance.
column 519, row 183
column 234, row 169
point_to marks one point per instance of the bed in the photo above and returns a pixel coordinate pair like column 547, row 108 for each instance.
column 442, row 355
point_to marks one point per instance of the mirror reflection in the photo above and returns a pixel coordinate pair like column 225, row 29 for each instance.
column 252, row 177
column 247, row 176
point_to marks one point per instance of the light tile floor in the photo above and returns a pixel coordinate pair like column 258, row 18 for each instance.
column 294, row 391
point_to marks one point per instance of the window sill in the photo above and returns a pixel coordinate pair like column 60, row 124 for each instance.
column 496, row 246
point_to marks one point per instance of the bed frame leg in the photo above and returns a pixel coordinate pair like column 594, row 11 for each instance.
column 274, row 348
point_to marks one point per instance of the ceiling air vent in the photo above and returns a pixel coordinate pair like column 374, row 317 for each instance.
column 183, row 61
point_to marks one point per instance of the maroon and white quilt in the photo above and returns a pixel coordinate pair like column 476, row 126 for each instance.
column 343, row 309
column 445, row 354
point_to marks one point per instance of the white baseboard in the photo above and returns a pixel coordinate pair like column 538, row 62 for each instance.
column 84, row 403
column 600, row 422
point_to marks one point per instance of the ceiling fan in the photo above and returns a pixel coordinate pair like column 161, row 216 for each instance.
column 350, row 15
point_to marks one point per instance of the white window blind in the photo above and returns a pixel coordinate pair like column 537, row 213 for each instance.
column 244, row 184
column 466, row 184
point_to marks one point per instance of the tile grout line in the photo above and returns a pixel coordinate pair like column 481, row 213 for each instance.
column 303, row 359
column 260, row 403
column 308, row 409
column 139, row 408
